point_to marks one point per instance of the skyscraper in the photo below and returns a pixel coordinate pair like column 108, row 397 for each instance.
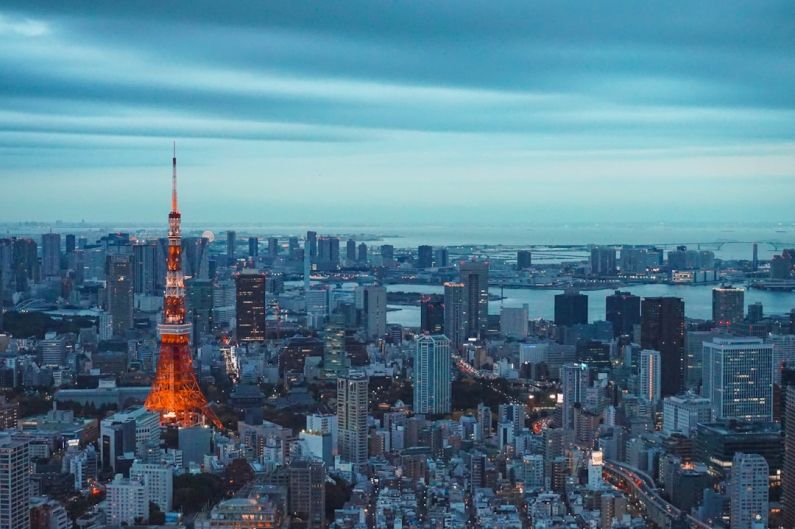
column 728, row 306
column 199, row 305
column 524, row 259
column 574, row 381
column 663, row 330
column 649, row 375
column 455, row 315
column 475, row 277
column 14, row 483
column 571, row 308
column 350, row 251
column 738, row 378
column 622, row 309
column 371, row 301
column 311, row 243
column 51, row 255
column 307, row 493
column 144, row 255
column 352, row 410
column 748, row 491
column 361, row 253
column 432, row 314
column 603, row 261
column 432, row 376
column 120, row 293
column 788, row 472
column 250, row 305
column 231, row 246
column 328, row 254
column 69, row 243
column 424, row 256
column 253, row 248
column 273, row 247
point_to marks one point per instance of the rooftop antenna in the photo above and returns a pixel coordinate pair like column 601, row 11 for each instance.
column 174, row 179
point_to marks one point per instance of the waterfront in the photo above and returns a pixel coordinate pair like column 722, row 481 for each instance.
column 541, row 303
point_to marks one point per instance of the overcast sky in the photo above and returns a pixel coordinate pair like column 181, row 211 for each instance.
column 392, row 111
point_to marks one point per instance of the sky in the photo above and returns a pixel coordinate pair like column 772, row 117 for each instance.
column 396, row 111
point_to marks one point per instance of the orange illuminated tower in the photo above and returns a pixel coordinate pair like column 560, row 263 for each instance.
column 175, row 393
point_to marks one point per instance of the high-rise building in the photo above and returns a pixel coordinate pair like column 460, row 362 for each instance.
column 307, row 493
column 755, row 258
column 144, row 256
column 250, row 305
column 475, row 277
column 69, row 243
column 352, row 410
column 194, row 441
column 571, row 308
column 682, row 414
column 455, row 314
column 52, row 349
column 253, row 248
column 387, row 253
column 127, row 500
column 514, row 322
column 199, row 305
column 51, row 255
column 738, row 379
column 663, row 329
column 432, row 375
column 328, row 254
column 158, row 479
column 311, row 243
column 781, row 266
column 335, row 360
column 14, row 483
column 756, row 312
column 432, row 314
column 371, row 301
column 361, row 253
column 350, row 251
column 196, row 257
column 728, row 306
column 442, row 257
column 649, row 375
column 273, row 247
column 513, row 414
column 424, row 256
column 524, row 259
column 574, row 381
column 120, row 293
column 622, row 309
column 231, row 246
column 749, row 492
column 603, row 261
column 788, row 472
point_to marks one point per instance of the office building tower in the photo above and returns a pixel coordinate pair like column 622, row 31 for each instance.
column 328, row 254
column 728, row 306
column 144, row 258
column 371, row 301
column 311, row 243
column 350, row 251
column 250, row 305
column 432, row 314
column 682, row 414
column 755, row 258
column 513, row 414
column 253, row 248
column 14, row 483
column 622, row 309
column 51, row 255
column 52, row 349
column 756, row 312
column 69, row 243
column 484, row 422
column 738, row 379
column 442, row 257
column 748, row 492
column 231, row 246
column 781, row 266
column 571, row 308
column 127, row 500
column 432, row 375
column 649, row 376
column 199, row 306
column 9, row 414
column 574, row 381
column 524, row 259
column 514, row 322
column 273, row 247
column 292, row 247
column 120, row 293
column 307, row 493
column 783, row 354
column 387, row 253
column 352, row 410
column 603, row 261
column 196, row 257
column 424, row 256
column 158, row 479
column 335, row 360
column 361, row 253
column 788, row 472
column 455, row 315
column 663, row 329
column 475, row 278
column 194, row 441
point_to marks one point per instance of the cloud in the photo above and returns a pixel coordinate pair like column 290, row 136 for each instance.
column 24, row 27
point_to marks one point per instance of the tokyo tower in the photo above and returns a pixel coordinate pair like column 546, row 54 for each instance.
column 175, row 393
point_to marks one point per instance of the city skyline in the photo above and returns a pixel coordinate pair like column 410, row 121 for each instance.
column 359, row 111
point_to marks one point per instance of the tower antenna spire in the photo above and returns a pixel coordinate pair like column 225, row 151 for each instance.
column 174, row 179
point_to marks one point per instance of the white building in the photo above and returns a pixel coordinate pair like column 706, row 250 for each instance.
column 147, row 427
column 783, row 351
column 353, row 406
column 323, row 423
column 574, row 380
column 683, row 413
column 748, row 492
column 432, row 375
column 738, row 378
column 533, row 471
column 649, row 375
column 513, row 322
column 158, row 479
column 127, row 500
